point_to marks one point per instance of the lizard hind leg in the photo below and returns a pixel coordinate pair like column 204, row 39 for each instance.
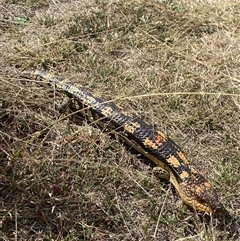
column 161, row 173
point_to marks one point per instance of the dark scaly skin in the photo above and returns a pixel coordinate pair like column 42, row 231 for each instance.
column 195, row 190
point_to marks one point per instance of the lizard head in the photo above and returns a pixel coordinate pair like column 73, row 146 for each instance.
column 198, row 193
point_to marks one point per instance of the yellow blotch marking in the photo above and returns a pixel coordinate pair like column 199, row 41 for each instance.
column 132, row 126
column 172, row 160
column 160, row 140
column 194, row 171
column 129, row 128
column 136, row 124
column 202, row 188
column 182, row 156
column 107, row 111
column 199, row 190
column 151, row 144
column 208, row 185
column 184, row 175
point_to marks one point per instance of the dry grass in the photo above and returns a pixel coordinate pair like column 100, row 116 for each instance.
column 73, row 182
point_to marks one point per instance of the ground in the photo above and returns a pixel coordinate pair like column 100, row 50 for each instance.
column 174, row 63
